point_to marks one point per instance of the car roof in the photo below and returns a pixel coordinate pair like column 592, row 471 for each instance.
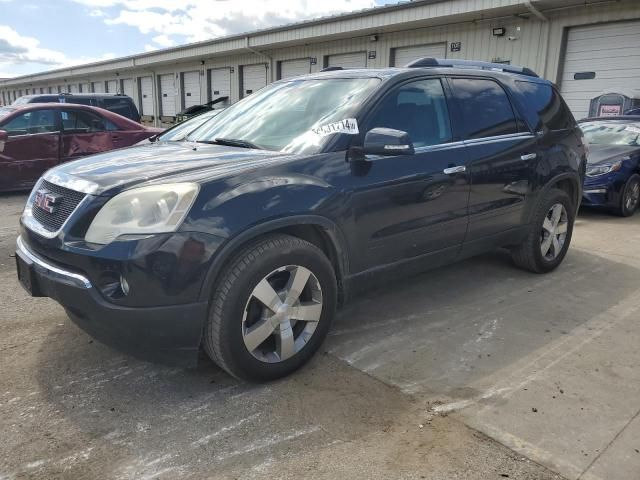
column 119, row 120
column 65, row 94
column 408, row 72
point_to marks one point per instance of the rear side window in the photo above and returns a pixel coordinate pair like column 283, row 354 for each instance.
column 485, row 107
column 544, row 106
column 80, row 121
column 121, row 106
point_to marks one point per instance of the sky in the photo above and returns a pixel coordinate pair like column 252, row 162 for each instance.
column 41, row 35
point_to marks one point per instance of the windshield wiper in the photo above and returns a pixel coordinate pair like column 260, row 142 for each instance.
column 231, row 142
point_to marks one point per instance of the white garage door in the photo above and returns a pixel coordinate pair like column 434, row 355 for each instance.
column 220, row 85
column 167, row 95
column 191, row 89
column 73, row 88
column 598, row 58
column 348, row 60
column 112, row 86
column 84, row 88
column 127, row 88
column 254, row 77
column 294, row 68
column 404, row 55
column 98, row 87
column 146, row 96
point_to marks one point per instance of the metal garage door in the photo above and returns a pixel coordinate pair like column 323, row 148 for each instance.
column 167, row 95
column 146, row 96
column 610, row 51
column 294, row 68
column 219, row 83
column 254, row 77
column 98, row 87
column 191, row 89
column 348, row 60
column 404, row 55
column 84, row 88
column 127, row 88
column 112, row 86
column 73, row 88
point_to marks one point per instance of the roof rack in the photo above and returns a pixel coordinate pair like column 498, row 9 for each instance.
column 331, row 69
column 428, row 62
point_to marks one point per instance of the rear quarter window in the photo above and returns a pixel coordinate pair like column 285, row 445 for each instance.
column 544, row 107
column 121, row 106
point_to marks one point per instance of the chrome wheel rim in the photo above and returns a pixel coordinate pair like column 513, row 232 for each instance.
column 554, row 232
column 633, row 196
column 282, row 313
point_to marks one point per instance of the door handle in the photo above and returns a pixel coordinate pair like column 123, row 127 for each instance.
column 529, row 156
column 452, row 170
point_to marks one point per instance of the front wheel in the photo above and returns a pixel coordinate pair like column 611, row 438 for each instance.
column 549, row 235
column 630, row 197
column 271, row 308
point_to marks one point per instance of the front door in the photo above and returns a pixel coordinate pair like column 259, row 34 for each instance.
column 84, row 133
column 407, row 206
column 501, row 153
column 32, row 148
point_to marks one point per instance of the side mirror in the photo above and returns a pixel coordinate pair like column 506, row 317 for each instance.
column 387, row 141
column 4, row 136
column 154, row 138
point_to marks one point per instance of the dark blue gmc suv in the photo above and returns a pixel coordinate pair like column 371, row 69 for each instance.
column 245, row 238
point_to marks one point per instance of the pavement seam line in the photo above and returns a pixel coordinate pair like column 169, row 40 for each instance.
column 617, row 435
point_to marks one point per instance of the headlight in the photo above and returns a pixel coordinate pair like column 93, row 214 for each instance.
column 598, row 170
column 145, row 210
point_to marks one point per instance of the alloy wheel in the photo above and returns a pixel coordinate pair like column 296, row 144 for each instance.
column 282, row 313
column 554, row 232
column 632, row 197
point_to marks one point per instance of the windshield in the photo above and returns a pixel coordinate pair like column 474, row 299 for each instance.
column 21, row 101
column 180, row 131
column 611, row 133
column 281, row 117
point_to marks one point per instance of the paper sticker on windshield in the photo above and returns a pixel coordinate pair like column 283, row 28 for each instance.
column 348, row 126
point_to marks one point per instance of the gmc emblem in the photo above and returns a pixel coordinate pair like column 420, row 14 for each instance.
column 47, row 201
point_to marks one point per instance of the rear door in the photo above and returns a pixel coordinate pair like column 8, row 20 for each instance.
column 501, row 153
column 32, row 148
column 85, row 133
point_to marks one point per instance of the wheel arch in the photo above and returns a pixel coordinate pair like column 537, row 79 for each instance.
column 569, row 183
column 317, row 230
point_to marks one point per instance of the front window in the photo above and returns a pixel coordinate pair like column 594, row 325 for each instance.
column 32, row 122
column 611, row 133
column 288, row 116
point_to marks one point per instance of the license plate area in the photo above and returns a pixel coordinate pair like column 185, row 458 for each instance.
column 27, row 276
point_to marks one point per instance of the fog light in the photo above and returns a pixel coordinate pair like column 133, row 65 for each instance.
column 124, row 285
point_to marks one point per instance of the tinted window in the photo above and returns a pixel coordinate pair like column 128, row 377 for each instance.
column 36, row 121
column 544, row 107
column 121, row 106
column 418, row 108
column 485, row 108
column 80, row 121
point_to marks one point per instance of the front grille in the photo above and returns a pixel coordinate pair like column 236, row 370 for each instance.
column 70, row 200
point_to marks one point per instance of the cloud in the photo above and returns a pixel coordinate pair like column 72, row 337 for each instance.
column 19, row 51
column 196, row 20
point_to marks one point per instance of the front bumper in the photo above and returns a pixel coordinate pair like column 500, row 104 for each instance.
column 168, row 334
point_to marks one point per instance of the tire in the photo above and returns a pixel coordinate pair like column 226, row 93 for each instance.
column 238, row 319
column 630, row 197
column 529, row 254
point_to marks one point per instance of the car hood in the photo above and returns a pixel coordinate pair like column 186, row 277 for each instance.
column 157, row 162
column 609, row 153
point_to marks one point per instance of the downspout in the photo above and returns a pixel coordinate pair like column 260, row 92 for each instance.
column 541, row 16
column 257, row 52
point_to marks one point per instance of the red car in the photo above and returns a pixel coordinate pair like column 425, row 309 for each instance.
column 37, row 136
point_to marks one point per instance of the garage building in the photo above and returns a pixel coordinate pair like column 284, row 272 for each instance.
column 586, row 46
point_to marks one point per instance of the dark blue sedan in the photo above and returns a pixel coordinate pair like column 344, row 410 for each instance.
column 613, row 170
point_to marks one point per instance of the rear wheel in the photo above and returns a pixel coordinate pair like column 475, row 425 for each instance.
column 630, row 197
column 549, row 236
column 271, row 309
